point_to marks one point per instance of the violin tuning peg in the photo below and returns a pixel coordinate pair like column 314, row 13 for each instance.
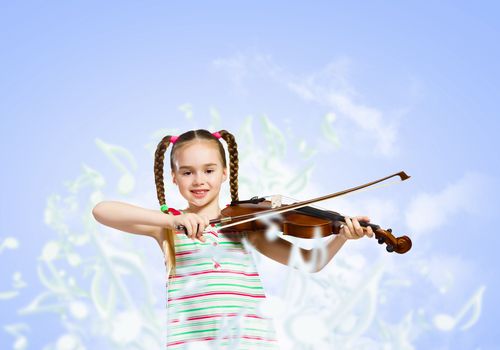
column 389, row 230
column 389, row 248
column 381, row 240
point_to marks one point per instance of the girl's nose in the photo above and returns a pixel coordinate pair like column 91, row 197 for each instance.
column 199, row 179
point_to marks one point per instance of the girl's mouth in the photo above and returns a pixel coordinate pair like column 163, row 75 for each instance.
column 199, row 193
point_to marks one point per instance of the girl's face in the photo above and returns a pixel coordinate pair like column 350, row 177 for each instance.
column 199, row 172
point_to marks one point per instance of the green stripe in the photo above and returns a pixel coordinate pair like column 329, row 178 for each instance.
column 221, row 284
column 211, row 307
column 192, row 332
column 214, row 329
column 236, row 244
column 197, row 257
column 217, row 321
column 208, row 299
column 249, row 279
column 211, row 263
column 191, row 324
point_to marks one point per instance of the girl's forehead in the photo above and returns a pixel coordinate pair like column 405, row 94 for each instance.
column 195, row 153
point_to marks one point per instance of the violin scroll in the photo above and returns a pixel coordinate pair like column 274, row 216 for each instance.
column 399, row 245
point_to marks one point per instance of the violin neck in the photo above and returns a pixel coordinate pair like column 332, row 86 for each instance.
column 331, row 215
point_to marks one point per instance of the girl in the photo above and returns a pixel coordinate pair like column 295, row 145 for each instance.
column 214, row 291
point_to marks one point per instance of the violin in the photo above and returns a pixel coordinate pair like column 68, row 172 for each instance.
column 301, row 220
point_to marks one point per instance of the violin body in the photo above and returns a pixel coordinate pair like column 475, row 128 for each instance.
column 293, row 222
column 256, row 214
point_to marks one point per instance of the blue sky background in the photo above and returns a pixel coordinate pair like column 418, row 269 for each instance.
column 368, row 89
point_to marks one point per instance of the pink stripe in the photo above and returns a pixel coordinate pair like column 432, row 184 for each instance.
column 254, row 337
column 231, row 233
column 213, row 338
column 194, row 318
column 215, row 271
column 213, row 233
column 217, row 293
column 187, row 252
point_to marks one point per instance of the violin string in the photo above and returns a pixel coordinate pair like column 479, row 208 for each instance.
column 361, row 190
column 387, row 183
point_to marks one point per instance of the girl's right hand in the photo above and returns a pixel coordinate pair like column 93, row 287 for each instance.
column 194, row 224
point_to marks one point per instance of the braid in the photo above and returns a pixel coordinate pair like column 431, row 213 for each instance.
column 158, row 169
column 233, row 162
column 168, row 249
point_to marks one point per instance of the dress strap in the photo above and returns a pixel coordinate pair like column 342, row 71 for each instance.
column 174, row 211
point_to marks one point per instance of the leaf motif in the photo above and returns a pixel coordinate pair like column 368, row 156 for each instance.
column 299, row 182
column 8, row 295
column 274, row 138
column 215, row 122
column 102, row 306
column 37, row 304
column 127, row 181
column 53, row 283
column 132, row 265
column 327, row 130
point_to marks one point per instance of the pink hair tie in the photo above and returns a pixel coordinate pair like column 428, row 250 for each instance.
column 173, row 139
column 217, row 134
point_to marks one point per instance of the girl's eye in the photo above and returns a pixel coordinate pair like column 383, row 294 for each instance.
column 189, row 173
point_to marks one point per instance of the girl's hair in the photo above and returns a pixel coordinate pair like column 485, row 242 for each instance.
column 187, row 137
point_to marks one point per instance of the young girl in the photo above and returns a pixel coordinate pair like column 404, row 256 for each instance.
column 214, row 292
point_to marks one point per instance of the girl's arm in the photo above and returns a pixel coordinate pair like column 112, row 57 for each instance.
column 133, row 219
column 280, row 249
column 130, row 218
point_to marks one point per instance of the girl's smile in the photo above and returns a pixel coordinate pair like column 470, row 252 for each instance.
column 199, row 193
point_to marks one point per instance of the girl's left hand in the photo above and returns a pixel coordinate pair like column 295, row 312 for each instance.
column 353, row 230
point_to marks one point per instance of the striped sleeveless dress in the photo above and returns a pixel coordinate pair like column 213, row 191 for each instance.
column 214, row 298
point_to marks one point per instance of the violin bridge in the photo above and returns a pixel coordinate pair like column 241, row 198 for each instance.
column 276, row 201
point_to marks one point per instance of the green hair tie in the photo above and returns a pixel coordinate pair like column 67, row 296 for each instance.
column 164, row 208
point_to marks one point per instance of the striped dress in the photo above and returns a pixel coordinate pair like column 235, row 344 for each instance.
column 214, row 299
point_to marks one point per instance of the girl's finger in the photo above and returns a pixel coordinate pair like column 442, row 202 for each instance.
column 187, row 230
column 191, row 229
column 369, row 231
column 345, row 232
column 358, row 230
column 200, row 232
column 201, row 228
column 200, row 236
column 363, row 218
column 350, row 227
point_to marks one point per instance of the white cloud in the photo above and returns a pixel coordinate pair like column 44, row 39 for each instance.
column 235, row 67
column 241, row 67
column 429, row 211
column 330, row 86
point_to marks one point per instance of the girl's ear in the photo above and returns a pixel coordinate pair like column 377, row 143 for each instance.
column 173, row 178
column 224, row 174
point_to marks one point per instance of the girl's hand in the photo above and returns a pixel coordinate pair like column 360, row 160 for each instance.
column 195, row 224
column 353, row 230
